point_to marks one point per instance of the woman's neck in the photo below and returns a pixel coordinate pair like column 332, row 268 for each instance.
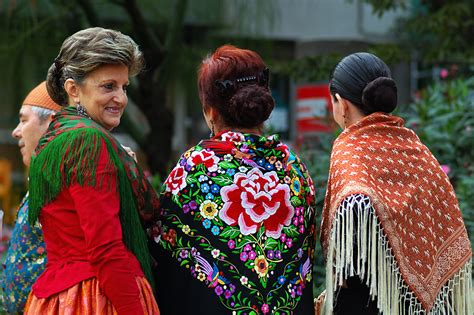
column 255, row 131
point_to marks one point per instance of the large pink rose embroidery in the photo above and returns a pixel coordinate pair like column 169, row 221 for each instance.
column 233, row 136
column 208, row 158
column 255, row 199
column 176, row 180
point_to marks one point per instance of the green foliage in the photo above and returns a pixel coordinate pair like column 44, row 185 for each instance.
column 319, row 68
column 381, row 6
column 438, row 30
column 443, row 118
column 313, row 68
column 442, row 32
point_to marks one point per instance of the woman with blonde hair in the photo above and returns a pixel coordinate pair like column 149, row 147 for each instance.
column 89, row 195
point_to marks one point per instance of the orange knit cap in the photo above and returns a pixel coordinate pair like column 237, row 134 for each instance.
column 39, row 97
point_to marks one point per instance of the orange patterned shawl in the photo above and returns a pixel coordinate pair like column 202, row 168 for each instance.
column 414, row 204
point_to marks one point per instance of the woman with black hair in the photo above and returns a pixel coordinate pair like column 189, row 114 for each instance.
column 392, row 230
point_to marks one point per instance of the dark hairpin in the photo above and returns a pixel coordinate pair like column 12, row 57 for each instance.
column 227, row 87
column 263, row 77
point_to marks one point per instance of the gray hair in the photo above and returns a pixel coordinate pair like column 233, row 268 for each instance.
column 87, row 50
column 42, row 113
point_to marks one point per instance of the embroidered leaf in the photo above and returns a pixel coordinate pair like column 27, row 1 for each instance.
column 230, row 232
column 290, row 231
column 186, row 198
column 199, row 199
column 206, row 246
column 295, row 201
column 222, row 180
column 175, row 199
column 226, row 165
column 271, row 243
column 190, row 180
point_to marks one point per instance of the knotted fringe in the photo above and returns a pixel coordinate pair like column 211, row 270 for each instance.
column 373, row 261
column 72, row 158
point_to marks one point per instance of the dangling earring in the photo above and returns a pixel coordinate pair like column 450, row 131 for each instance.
column 81, row 111
column 212, row 130
column 345, row 121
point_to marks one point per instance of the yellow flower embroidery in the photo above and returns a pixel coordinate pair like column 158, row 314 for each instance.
column 208, row 209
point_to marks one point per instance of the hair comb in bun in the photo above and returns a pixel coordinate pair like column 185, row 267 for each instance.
column 227, row 87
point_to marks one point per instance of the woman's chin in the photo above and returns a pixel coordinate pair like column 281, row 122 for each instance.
column 111, row 124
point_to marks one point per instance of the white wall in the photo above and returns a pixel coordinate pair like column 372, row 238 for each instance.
column 310, row 20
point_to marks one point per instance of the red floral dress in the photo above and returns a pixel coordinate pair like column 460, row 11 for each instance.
column 237, row 230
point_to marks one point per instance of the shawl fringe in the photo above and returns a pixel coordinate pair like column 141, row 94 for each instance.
column 72, row 158
column 382, row 274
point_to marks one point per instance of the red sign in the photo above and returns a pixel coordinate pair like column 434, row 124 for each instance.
column 313, row 108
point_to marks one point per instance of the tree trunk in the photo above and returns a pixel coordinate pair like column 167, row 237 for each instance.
column 151, row 99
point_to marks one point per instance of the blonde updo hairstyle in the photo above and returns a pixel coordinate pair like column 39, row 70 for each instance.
column 87, row 50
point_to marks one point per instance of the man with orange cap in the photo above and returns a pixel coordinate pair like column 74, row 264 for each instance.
column 26, row 255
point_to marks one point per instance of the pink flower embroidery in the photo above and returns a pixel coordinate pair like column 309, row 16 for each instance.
column 233, row 136
column 208, row 158
column 255, row 199
column 176, row 180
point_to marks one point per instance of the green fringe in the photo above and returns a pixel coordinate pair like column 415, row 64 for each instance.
column 72, row 158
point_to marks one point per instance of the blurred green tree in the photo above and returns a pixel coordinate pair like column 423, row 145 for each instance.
column 173, row 34
column 432, row 31
column 437, row 29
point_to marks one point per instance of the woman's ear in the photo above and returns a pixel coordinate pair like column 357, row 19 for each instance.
column 213, row 113
column 344, row 104
column 72, row 90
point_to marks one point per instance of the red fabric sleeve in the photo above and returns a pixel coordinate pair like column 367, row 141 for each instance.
column 98, row 211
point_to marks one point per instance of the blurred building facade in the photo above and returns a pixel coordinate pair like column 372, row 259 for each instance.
column 294, row 29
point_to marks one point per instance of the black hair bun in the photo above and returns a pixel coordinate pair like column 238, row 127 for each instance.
column 380, row 95
column 249, row 107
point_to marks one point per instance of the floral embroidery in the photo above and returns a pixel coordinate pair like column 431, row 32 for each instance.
column 176, row 180
column 238, row 212
column 257, row 198
column 233, row 136
column 207, row 158
column 208, row 209
column 25, row 261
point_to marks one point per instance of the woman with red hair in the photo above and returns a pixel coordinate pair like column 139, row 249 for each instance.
column 237, row 227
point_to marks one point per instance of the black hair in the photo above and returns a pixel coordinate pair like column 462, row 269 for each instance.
column 365, row 80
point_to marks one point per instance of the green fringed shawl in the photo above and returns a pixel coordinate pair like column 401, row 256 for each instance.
column 68, row 154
